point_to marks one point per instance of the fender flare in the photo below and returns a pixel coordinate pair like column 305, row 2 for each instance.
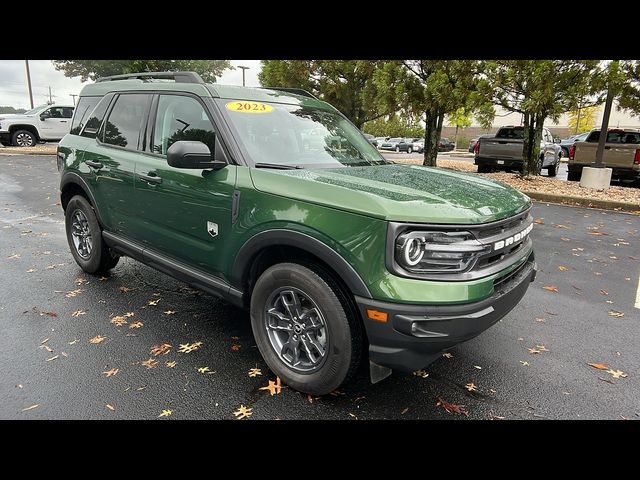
column 248, row 251
column 74, row 178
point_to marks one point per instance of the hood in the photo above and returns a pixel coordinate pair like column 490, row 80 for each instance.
column 407, row 193
column 15, row 115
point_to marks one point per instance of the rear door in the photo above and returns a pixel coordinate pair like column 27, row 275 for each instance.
column 57, row 125
column 117, row 142
column 183, row 213
column 620, row 148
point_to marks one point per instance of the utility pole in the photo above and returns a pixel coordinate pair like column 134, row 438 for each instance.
column 578, row 121
column 50, row 99
column 74, row 98
column 604, row 129
column 29, row 82
column 243, row 69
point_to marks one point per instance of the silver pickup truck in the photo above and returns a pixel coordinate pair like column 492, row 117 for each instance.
column 504, row 151
column 621, row 153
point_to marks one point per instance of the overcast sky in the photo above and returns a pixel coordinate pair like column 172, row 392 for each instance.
column 13, row 88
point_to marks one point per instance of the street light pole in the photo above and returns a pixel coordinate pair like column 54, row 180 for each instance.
column 26, row 62
column 243, row 69
column 73, row 95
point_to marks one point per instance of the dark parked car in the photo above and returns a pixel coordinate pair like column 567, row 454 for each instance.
column 474, row 140
column 398, row 144
column 566, row 143
column 445, row 145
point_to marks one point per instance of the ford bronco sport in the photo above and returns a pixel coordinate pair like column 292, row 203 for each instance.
column 337, row 253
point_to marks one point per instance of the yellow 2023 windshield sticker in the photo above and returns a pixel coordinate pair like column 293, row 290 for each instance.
column 249, row 107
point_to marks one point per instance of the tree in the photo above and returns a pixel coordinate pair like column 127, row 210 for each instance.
column 11, row 110
column 435, row 88
column 209, row 70
column 346, row 84
column 539, row 89
column 582, row 119
column 401, row 125
column 630, row 91
column 459, row 119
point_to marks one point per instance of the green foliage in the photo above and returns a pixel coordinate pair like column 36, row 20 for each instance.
column 395, row 126
column 346, row 84
column 539, row 89
column 629, row 98
column 460, row 118
column 209, row 70
column 584, row 119
column 11, row 110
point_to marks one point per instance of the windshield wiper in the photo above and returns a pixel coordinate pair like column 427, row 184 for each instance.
column 277, row 166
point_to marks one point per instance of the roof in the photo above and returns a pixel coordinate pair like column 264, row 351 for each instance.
column 204, row 90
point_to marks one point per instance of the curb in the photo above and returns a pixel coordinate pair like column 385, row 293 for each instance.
column 584, row 202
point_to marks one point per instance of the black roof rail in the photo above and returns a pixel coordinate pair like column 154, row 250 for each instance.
column 178, row 77
column 297, row 91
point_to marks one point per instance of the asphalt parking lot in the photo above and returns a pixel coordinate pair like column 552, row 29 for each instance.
column 78, row 346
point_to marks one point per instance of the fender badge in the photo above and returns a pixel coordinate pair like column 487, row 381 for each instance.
column 212, row 228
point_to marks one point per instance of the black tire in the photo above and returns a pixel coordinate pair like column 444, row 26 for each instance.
column 552, row 170
column 565, row 151
column 99, row 259
column 484, row 169
column 343, row 327
column 409, row 150
column 23, row 138
column 397, row 149
column 574, row 175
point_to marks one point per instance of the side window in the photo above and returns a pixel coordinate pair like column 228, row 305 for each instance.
column 122, row 127
column 56, row 112
column 181, row 118
column 82, row 111
column 67, row 112
column 95, row 117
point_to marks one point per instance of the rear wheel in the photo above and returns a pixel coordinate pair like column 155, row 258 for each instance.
column 23, row 138
column 409, row 150
column 484, row 169
column 552, row 170
column 574, row 175
column 397, row 149
column 84, row 236
column 304, row 328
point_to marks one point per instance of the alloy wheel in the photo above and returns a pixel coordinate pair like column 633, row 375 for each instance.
column 24, row 140
column 81, row 234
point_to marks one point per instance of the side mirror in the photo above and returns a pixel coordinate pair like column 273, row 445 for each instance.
column 44, row 115
column 192, row 154
column 557, row 140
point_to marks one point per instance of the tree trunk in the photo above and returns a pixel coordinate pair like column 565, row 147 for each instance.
column 455, row 139
column 531, row 149
column 430, row 139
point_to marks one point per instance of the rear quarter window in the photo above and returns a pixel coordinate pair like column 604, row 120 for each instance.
column 82, row 111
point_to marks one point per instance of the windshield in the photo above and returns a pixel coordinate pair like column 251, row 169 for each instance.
column 295, row 135
column 33, row 111
column 511, row 132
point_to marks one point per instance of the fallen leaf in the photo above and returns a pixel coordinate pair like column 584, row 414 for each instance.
column 74, row 293
column 471, row 387
column 137, row 324
column 559, row 226
column 31, row 407
column 151, row 363
column 243, row 412
column 309, row 398
column 606, row 380
column 478, row 367
column 97, row 339
column 615, row 313
column 204, row 369
column 77, row 313
column 533, row 350
column 273, row 387
column 171, row 364
column 44, row 341
column 520, row 339
column 551, row 288
column 15, row 255
column 103, row 279
column 599, row 234
column 352, row 415
column 452, row 407
column 81, row 281
column 169, row 312
column 110, row 373
column 540, row 320
column 19, row 386
column 604, row 292
column 153, row 302
column 542, row 348
column 526, row 364
column 538, row 221
column 336, row 393
column 64, row 354
column 447, row 355
column 189, row 347
column 126, row 289
column 562, row 268
column 118, row 321
column 421, row 373
column 236, row 347
column 404, row 411
column 73, row 342
column 129, row 314
column 617, row 373
column 599, row 366
column 47, row 348
column 44, row 312
column 110, row 407
column 254, row 372
column 31, row 270
column 52, row 358
column 165, row 413
column 161, row 349
column 565, row 239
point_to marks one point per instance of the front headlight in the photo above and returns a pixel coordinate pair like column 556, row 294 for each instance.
column 437, row 252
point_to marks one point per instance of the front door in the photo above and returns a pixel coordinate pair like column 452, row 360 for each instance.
column 57, row 125
column 183, row 213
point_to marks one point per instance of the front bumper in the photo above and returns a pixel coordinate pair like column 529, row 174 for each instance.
column 499, row 162
column 415, row 335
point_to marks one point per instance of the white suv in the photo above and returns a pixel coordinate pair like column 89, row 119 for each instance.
column 44, row 123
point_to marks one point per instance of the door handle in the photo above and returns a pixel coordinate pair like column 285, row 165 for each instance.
column 63, row 121
column 92, row 164
column 151, row 177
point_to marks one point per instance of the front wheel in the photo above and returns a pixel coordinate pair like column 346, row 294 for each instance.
column 304, row 328
column 84, row 236
column 409, row 150
column 23, row 138
column 397, row 149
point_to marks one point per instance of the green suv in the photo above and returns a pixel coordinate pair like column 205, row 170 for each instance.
column 337, row 253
